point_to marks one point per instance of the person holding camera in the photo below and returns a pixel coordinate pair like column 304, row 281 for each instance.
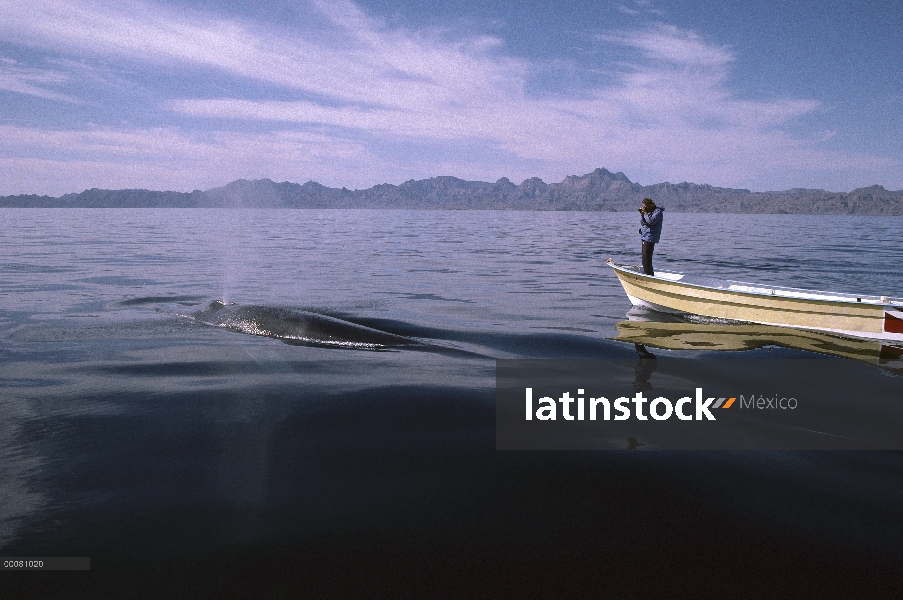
column 651, row 217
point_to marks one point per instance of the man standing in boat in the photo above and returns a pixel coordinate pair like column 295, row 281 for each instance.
column 651, row 217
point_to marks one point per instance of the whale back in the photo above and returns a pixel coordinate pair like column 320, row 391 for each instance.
column 298, row 327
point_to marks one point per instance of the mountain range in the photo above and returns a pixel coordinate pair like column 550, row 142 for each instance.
column 600, row 190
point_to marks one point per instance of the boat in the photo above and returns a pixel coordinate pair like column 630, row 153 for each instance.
column 858, row 316
column 669, row 332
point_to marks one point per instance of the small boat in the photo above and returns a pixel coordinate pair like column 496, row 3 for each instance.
column 870, row 317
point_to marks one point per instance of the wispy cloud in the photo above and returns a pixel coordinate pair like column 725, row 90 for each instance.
column 363, row 60
column 361, row 92
column 627, row 10
column 30, row 81
column 671, row 44
column 168, row 158
column 640, row 7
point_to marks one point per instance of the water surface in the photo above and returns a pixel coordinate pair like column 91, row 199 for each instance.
column 183, row 456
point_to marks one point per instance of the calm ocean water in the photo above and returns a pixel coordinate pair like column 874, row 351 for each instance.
column 181, row 456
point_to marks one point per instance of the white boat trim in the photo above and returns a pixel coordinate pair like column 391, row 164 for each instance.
column 670, row 276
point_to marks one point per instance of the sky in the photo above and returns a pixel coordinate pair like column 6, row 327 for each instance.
column 193, row 94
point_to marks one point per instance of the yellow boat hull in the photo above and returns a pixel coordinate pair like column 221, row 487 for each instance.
column 869, row 317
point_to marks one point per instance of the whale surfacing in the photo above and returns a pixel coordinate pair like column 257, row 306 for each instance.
column 298, row 327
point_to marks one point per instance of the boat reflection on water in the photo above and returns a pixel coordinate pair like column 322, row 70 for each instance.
column 671, row 332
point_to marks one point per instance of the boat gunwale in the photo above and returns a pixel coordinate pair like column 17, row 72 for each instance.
column 829, row 297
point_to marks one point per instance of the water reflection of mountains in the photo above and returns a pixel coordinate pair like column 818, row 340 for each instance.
column 676, row 333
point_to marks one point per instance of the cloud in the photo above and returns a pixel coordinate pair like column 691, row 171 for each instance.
column 30, row 81
column 362, row 60
column 368, row 103
column 672, row 108
column 671, row 44
column 168, row 158
column 627, row 10
column 640, row 7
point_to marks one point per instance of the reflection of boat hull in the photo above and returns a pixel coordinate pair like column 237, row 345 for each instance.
column 867, row 316
column 741, row 336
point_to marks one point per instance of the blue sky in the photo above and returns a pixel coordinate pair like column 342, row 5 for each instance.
column 184, row 95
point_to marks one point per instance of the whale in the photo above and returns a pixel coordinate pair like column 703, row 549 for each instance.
column 298, row 327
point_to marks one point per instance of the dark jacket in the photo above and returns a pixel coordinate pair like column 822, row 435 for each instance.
column 651, row 225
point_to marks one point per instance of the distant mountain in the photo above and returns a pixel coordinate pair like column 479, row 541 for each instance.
column 600, row 190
